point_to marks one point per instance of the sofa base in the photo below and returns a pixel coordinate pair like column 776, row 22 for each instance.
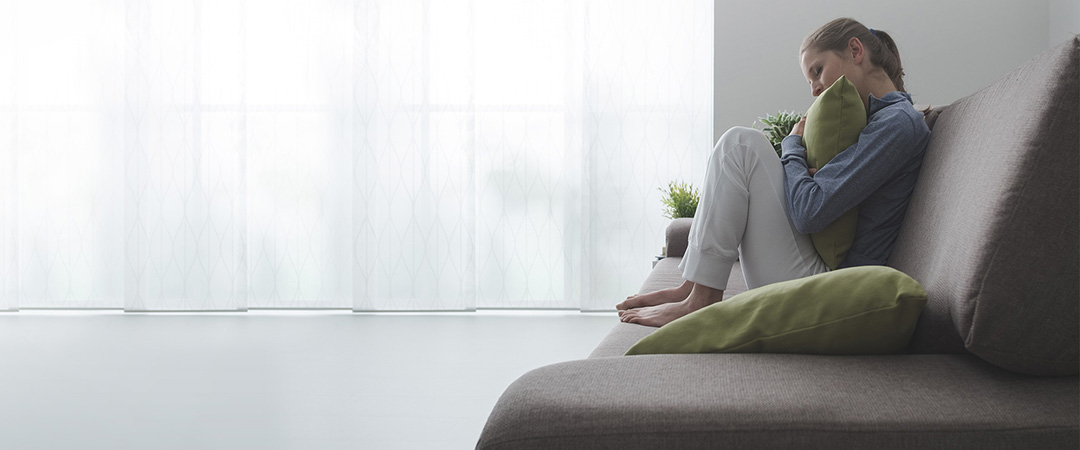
column 784, row 401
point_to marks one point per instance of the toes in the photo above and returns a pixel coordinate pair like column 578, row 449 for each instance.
column 648, row 321
column 633, row 316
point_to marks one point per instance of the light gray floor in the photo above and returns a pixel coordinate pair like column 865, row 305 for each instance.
column 270, row 380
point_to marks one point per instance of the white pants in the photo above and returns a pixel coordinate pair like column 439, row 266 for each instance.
column 742, row 215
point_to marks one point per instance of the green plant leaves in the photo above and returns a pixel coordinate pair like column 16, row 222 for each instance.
column 680, row 200
column 778, row 126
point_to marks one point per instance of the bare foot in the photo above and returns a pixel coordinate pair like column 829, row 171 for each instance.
column 660, row 315
column 660, row 297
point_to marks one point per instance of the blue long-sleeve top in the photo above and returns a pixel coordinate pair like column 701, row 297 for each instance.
column 877, row 174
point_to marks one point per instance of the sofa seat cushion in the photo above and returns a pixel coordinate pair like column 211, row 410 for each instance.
column 620, row 339
column 784, row 401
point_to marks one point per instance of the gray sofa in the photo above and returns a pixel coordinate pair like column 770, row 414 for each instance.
column 992, row 235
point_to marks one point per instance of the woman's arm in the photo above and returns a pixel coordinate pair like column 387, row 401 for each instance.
column 884, row 148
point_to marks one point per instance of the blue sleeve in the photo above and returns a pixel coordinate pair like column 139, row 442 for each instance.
column 883, row 148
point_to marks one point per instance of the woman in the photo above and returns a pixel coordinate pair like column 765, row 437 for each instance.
column 759, row 209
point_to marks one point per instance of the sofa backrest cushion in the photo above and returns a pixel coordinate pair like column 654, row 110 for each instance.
column 992, row 228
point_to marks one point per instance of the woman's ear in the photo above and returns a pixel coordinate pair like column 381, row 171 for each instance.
column 856, row 50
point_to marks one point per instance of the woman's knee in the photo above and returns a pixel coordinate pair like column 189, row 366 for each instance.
column 741, row 139
column 741, row 134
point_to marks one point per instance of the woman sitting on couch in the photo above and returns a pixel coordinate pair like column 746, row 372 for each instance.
column 759, row 209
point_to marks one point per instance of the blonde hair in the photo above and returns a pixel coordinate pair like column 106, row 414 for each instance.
column 835, row 35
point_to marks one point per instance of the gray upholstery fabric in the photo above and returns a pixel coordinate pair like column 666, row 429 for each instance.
column 993, row 226
column 620, row 339
column 665, row 275
column 765, row 401
column 930, row 114
column 678, row 236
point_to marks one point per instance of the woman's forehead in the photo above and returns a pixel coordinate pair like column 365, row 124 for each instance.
column 811, row 56
column 808, row 57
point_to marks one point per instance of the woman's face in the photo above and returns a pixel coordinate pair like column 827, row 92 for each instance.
column 822, row 69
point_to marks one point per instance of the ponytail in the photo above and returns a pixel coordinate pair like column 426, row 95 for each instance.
column 888, row 58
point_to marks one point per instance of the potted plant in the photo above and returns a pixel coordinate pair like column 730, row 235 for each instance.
column 680, row 200
column 778, row 126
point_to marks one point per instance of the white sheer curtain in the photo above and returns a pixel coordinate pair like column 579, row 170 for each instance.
column 374, row 155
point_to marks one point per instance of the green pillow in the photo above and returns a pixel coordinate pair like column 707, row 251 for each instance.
column 833, row 123
column 860, row 310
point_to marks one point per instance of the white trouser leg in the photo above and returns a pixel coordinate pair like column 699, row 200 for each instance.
column 742, row 215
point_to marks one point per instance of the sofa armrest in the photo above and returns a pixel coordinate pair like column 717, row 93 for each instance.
column 677, row 236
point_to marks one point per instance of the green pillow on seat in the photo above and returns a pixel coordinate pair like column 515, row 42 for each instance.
column 859, row 310
column 833, row 123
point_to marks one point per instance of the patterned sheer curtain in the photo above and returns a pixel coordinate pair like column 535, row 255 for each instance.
column 372, row 155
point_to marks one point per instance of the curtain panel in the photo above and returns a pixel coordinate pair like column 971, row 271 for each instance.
column 393, row 155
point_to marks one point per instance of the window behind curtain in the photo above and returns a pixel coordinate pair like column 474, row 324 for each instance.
column 375, row 155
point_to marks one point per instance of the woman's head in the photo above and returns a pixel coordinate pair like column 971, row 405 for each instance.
column 844, row 38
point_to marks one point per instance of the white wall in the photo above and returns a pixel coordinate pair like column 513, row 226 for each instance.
column 1064, row 20
column 949, row 48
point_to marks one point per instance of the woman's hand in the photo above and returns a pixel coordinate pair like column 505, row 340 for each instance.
column 797, row 130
